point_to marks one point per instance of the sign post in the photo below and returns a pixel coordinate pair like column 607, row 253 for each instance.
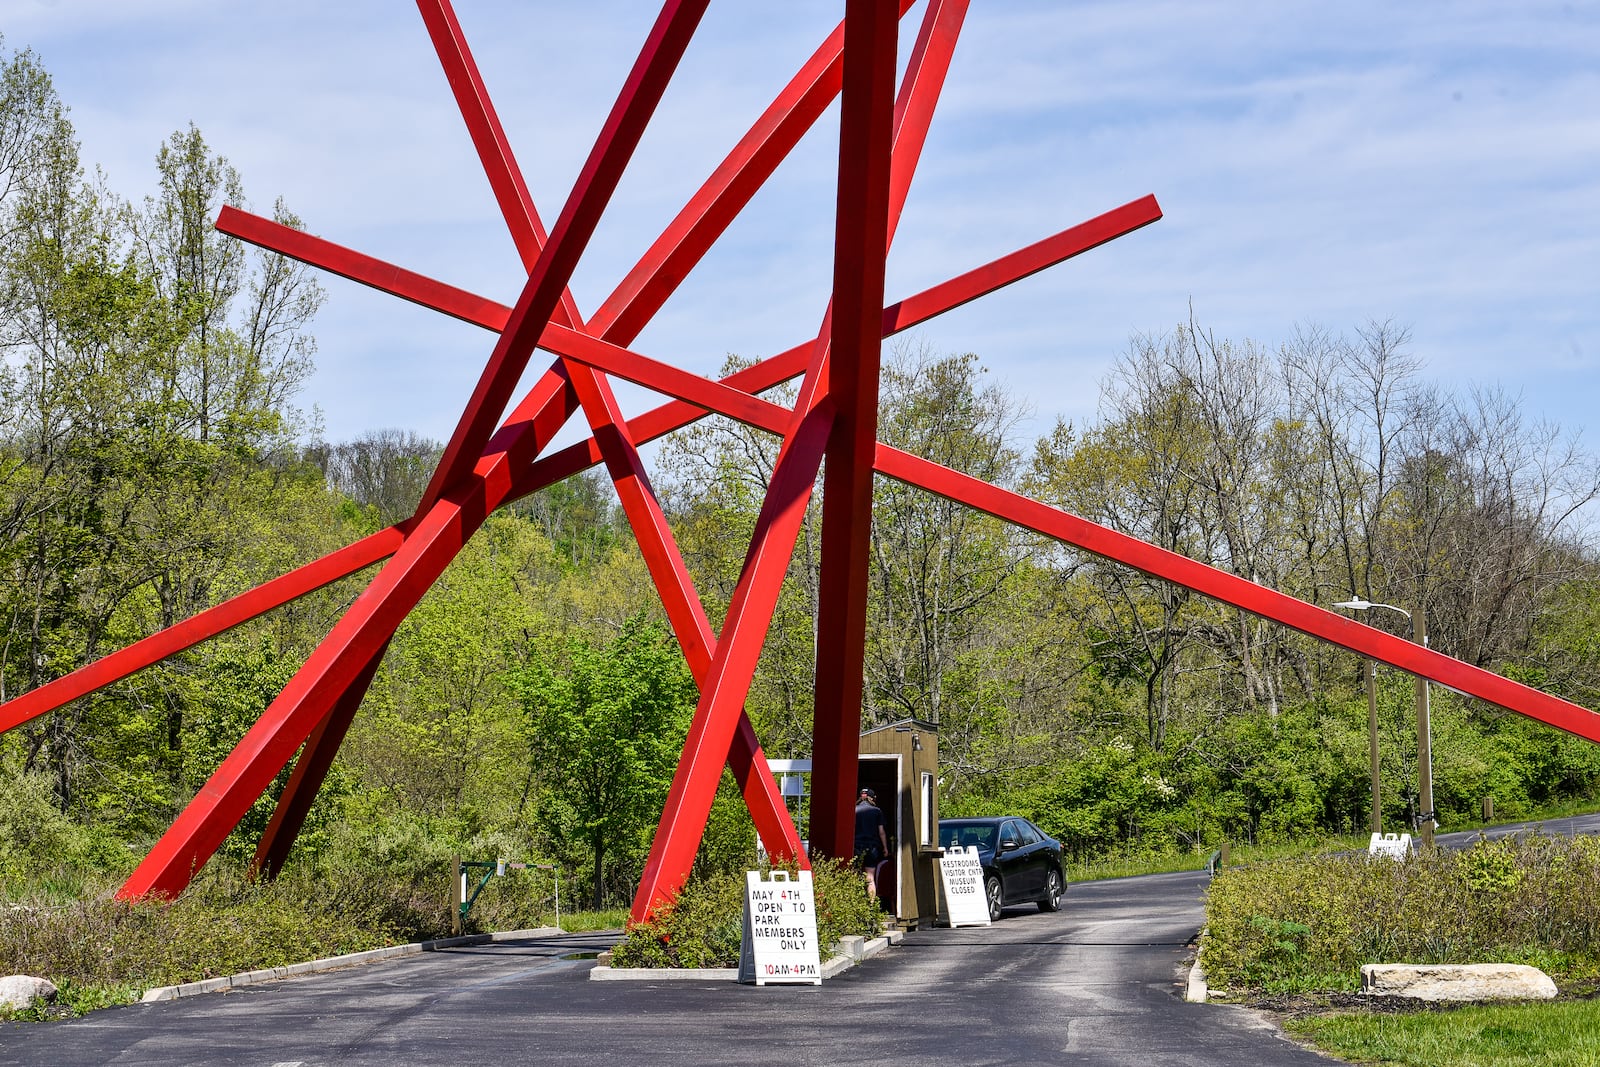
column 962, row 875
column 780, row 930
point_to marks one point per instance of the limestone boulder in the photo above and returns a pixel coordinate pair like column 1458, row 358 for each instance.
column 21, row 991
column 1465, row 981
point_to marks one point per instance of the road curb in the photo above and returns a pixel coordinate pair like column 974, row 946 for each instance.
column 1196, row 991
column 848, row 953
column 330, row 963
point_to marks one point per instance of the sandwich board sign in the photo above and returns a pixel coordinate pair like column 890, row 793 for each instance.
column 1391, row 845
column 780, row 930
column 962, row 874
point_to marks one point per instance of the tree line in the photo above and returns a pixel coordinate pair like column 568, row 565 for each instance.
column 153, row 463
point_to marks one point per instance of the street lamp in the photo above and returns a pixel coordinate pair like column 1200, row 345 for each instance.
column 1419, row 634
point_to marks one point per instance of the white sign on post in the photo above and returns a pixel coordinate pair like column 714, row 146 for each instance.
column 780, row 930
column 962, row 875
column 1392, row 845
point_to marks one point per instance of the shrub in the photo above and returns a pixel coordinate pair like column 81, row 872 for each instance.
column 1311, row 924
column 704, row 924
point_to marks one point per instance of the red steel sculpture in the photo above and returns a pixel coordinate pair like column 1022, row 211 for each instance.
column 834, row 420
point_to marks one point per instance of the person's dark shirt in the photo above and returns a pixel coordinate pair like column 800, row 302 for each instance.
column 868, row 821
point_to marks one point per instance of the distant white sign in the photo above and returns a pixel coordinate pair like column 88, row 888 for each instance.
column 962, row 874
column 780, row 930
column 1395, row 846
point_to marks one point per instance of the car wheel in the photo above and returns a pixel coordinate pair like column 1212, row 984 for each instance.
column 996, row 898
column 1051, row 901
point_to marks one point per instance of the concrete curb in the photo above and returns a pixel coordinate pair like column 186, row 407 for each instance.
column 1196, row 991
column 848, row 953
column 331, row 963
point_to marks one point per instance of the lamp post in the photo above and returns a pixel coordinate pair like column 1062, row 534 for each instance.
column 1419, row 634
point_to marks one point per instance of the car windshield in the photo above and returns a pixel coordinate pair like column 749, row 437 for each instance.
column 980, row 834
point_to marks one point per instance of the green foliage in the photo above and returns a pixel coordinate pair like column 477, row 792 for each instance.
column 605, row 731
column 703, row 926
column 223, row 925
column 1311, row 923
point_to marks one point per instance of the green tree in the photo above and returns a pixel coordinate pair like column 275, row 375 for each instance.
column 605, row 726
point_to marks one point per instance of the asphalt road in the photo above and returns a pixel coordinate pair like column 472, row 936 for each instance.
column 1098, row 983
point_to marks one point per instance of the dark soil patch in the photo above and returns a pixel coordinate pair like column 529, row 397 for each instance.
column 1289, row 1006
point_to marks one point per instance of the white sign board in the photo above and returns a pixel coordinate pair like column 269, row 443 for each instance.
column 780, row 930
column 1395, row 846
column 962, row 875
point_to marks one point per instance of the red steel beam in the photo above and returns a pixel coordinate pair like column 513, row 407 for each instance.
column 488, row 136
column 908, row 313
column 548, row 280
column 725, row 193
column 733, row 666
column 1246, row 595
column 191, row 631
column 528, row 234
column 861, row 243
column 338, row 661
column 761, row 579
column 684, row 610
column 316, row 758
column 654, row 536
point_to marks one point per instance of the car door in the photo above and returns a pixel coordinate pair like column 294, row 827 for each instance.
column 1018, row 862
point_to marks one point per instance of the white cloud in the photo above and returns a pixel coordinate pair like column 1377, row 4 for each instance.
column 1322, row 164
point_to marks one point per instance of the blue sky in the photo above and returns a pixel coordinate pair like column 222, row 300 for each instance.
column 1438, row 165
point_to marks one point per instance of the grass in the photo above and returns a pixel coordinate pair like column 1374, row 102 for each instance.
column 1121, row 864
column 1131, row 864
column 1562, row 1034
column 583, row 922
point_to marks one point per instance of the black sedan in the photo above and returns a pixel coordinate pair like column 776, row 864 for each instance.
column 1021, row 863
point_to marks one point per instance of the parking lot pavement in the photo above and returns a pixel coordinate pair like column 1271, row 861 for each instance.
column 1096, row 984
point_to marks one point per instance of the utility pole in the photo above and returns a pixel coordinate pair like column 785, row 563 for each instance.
column 1372, row 743
column 1419, row 634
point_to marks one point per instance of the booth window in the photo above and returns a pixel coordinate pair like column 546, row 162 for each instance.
column 927, row 809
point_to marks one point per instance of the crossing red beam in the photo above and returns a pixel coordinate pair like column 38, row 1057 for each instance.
column 1239, row 592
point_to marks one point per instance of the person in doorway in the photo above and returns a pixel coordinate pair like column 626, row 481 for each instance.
column 872, row 841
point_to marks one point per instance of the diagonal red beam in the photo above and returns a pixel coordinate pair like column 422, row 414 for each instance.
column 861, row 244
column 528, row 234
column 548, row 280
column 1246, row 595
column 725, row 193
column 755, row 596
column 359, row 267
column 684, row 610
column 483, row 125
column 744, row 630
column 190, row 632
column 316, row 758
column 979, row 281
column 648, row 426
column 489, row 138
column 352, row 645
column 480, row 311
column 651, row 531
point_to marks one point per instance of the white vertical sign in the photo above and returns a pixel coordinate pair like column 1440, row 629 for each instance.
column 962, row 875
column 780, row 930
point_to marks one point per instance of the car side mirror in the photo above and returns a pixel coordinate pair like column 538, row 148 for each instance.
column 1008, row 844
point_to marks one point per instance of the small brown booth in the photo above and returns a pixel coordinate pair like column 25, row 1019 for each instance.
column 900, row 763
